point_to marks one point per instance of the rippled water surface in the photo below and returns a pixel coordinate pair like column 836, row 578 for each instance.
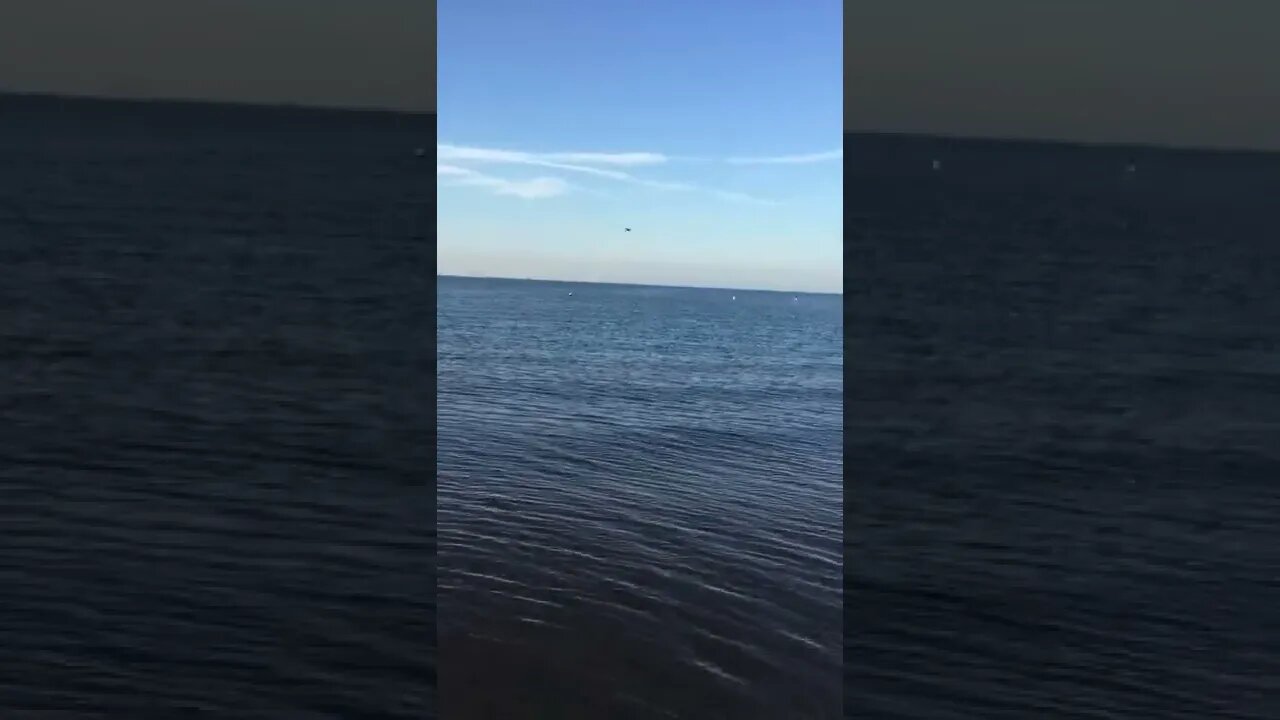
column 1064, row 409
column 215, row 451
column 639, row 501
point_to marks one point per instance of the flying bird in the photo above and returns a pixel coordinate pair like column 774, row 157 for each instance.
column 627, row 229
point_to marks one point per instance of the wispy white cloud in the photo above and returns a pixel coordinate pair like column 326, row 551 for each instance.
column 535, row 188
column 586, row 163
column 743, row 198
column 626, row 158
column 789, row 159
column 460, row 152
column 456, row 153
column 581, row 162
column 686, row 187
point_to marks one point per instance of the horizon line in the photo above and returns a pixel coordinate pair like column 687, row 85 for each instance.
column 1074, row 143
column 635, row 284
column 243, row 104
column 286, row 105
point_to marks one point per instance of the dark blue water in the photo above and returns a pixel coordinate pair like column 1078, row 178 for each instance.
column 639, row 501
column 1062, row 426
column 216, row 494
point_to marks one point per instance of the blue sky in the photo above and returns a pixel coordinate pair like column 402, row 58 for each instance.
column 711, row 129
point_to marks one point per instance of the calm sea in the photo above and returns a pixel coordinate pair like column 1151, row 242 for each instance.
column 216, row 495
column 639, row 501
column 1063, row 432
column 216, row 491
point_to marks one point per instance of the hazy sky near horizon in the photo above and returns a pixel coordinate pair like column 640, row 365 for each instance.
column 328, row 53
column 713, row 131
column 1163, row 72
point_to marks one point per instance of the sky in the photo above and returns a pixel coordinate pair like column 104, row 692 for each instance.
column 327, row 53
column 1189, row 73
column 711, row 129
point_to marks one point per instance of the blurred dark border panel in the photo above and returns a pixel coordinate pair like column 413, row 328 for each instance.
column 851, row 285
column 428, row 239
column 849, row 497
column 217, row 363
column 430, row 242
column 217, row 420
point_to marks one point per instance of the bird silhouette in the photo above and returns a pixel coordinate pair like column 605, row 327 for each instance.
column 627, row 229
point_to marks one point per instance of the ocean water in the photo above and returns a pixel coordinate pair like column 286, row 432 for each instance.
column 1062, row 420
column 640, row 501
column 216, row 489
